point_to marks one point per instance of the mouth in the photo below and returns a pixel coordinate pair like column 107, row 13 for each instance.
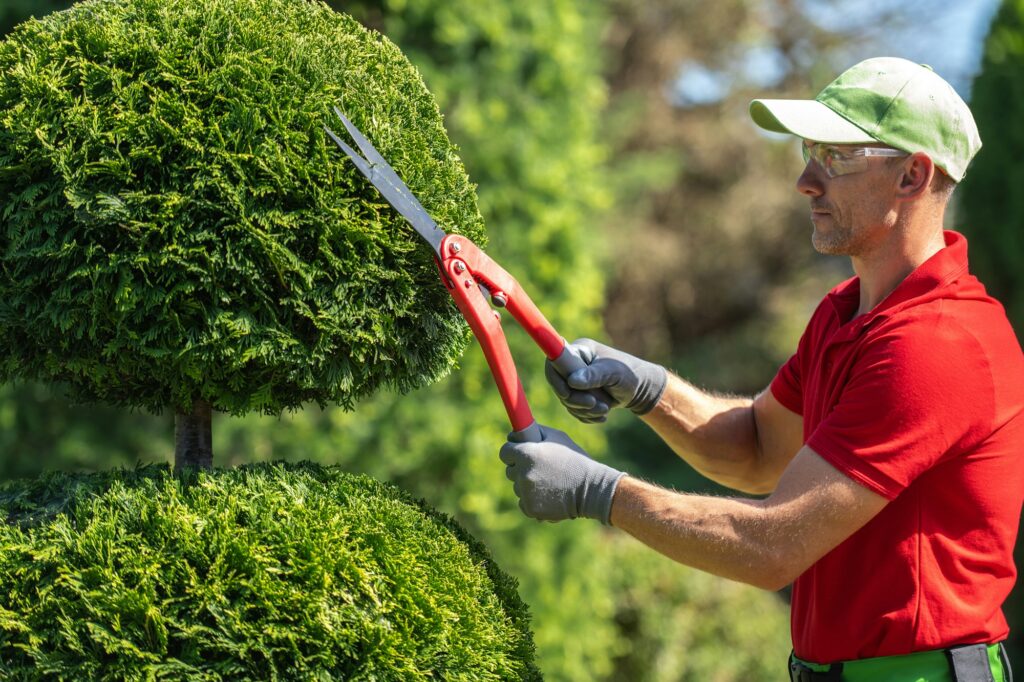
column 818, row 212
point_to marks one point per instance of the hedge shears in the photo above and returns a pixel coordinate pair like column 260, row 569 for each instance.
column 472, row 279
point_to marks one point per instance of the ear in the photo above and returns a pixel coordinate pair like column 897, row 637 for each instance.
column 918, row 170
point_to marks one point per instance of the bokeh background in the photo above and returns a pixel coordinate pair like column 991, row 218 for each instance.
column 623, row 184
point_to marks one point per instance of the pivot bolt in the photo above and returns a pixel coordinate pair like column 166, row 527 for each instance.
column 460, row 267
column 455, row 247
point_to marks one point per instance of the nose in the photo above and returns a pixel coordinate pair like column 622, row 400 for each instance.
column 810, row 183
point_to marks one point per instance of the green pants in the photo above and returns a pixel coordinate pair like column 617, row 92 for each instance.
column 926, row 666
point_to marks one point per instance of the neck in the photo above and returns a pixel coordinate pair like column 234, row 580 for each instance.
column 883, row 268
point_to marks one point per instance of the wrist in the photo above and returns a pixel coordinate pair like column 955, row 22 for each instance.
column 599, row 494
column 649, row 391
column 611, row 501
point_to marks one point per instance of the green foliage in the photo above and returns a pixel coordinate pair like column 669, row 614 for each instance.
column 263, row 572
column 176, row 226
column 681, row 625
column 993, row 206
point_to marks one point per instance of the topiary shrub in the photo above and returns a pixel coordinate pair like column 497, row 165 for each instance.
column 263, row 572
column 174, row 228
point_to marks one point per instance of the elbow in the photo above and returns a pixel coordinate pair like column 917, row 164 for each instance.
column 770, row 580
column 773, row 580
column 778, row 569
column 755, row 481
column 756, row 486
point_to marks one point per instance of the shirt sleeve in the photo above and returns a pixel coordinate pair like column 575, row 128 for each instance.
column 911, row 398
column 786, row 386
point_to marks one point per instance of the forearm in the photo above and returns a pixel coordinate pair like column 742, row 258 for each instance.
column 716, row 435
column 729, row 537
column 766, row 543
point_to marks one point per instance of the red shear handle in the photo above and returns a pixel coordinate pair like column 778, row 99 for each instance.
column 506, row 289
column 487, row 328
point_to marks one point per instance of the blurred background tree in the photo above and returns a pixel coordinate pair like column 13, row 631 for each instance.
column 993, row 205
column 15, row 11
column 622, row 183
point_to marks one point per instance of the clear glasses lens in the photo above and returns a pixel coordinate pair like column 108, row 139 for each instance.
column 836, row 161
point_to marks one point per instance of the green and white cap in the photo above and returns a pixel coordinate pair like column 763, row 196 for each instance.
column 889, row 100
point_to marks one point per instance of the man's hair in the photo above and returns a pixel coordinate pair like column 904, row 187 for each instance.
column 943, row 185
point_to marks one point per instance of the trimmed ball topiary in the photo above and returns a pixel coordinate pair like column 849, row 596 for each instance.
column 174, row 227
column 263, row 572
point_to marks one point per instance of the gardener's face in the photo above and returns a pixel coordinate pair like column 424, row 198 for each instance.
column 851, row 212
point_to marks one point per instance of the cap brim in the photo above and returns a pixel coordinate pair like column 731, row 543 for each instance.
column 808, row 119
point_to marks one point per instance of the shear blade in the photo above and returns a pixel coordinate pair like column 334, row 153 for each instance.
column 380, row 173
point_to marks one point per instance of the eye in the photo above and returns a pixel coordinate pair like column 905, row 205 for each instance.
column 834, row 154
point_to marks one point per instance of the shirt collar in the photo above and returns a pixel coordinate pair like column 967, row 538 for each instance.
column 942, row 268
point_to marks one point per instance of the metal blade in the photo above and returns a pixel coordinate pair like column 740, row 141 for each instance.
column 380, row 173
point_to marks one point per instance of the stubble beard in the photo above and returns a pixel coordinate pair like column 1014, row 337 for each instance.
column 838, row 241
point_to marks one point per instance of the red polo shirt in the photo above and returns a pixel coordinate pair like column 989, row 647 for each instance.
column 922, row 401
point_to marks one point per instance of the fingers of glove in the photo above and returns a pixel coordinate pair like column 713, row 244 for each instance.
column 523, row 507
column 588, row 349
column 602, row 373
column 588, row 418
column 557, row 382
column 509, row 454
column 580, row 400
column 595, row 408
column 550, row 434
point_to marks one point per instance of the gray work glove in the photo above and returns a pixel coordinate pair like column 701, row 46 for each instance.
column 556, row 480
column 630, row 382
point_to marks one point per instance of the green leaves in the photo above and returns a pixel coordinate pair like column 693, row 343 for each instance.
column 262, row 572
column 992, row 205
column 173, row 224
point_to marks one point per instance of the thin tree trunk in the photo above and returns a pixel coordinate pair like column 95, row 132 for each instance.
column 193, row 437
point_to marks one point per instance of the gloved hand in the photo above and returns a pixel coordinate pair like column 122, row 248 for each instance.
column 628, row 381
column 556, row 480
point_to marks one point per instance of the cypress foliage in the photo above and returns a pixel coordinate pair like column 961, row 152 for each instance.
column 263, row 572
column 174, row 226
column 993, row 205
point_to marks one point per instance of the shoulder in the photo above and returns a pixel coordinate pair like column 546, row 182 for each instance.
column 963, row 323
column 961, row 352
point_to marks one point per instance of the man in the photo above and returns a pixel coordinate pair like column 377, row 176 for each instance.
column 889, row 446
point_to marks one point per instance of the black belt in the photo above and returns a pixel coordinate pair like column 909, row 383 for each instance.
column 966, row 664
column 798, row 672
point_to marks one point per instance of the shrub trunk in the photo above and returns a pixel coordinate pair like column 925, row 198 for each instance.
column 193, row 437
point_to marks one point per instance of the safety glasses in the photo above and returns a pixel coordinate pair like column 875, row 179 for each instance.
column 838, row 160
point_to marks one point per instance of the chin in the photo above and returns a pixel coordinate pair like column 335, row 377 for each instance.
column 830, row 244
